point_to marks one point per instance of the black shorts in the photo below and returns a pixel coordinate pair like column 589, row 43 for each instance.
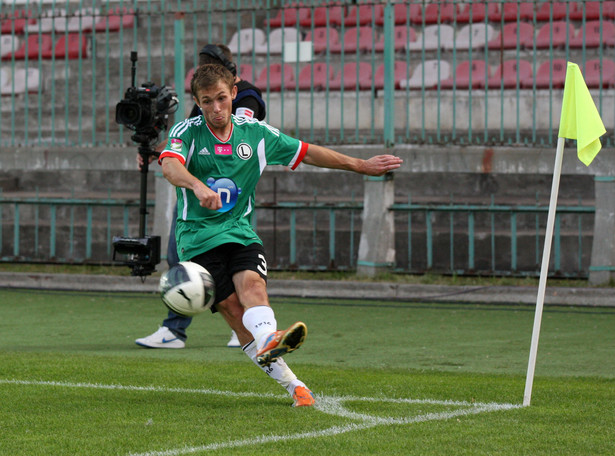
column 226, row 260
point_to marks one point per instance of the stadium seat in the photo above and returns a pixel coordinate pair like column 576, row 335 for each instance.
column 8, row 45
column 363, row 15
column 322, row 38
column 245, row 40
column 26, row 81
column 356, row 39
column 247, row 72
column 554, row 34
column 476, row 12
column 592, row 36
column 83, row 20
column 427, row 75
column 288, row 17
column 468, row 74
column 402, row 35
column 438, row 12
column 511, row 32
column 403, row 13
column 276, row 39
column 556, row 11
column 33, row 47
column 315, row 76
column 116, row 19
column 349, row 75
column 326, row 16
column 511, row 11
column 188, row 79
column 5, row 81
column 275, row 77
column 548, row 71
column 434, row 37
column 15, row 23
column 508, row 73
column 473, row 36
column 402, row 72
column 592, row 10
column 49, row 21
column 599, row 73
column 73, row 46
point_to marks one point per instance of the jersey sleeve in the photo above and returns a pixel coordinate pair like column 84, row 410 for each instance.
column 281, row 149
column 178, row 143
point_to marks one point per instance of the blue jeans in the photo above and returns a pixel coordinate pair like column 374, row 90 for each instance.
column 176, row 323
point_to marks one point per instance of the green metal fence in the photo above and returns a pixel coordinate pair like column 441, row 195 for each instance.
column 409, row 58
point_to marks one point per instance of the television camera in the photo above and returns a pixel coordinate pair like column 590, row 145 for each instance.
column 144, row 110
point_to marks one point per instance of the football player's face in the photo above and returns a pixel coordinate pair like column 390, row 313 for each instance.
column 216, row 102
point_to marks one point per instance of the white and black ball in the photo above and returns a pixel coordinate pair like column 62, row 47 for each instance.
column 187, row 289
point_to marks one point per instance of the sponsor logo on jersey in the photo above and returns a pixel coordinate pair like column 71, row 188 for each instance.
column 244, row 151
column 244, row 112
column 228, row 191
column 204, row 151
column 223, row 149
column 176, row 144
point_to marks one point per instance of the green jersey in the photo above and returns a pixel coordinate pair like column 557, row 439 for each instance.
column 231, row 167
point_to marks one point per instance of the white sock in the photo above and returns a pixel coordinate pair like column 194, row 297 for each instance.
column 278, row 370
column 260, row 321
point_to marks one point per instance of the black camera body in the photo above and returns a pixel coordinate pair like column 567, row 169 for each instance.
column 145, row 110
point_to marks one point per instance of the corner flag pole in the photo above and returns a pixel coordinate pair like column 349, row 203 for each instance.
column 580, row 120
column 544, row 270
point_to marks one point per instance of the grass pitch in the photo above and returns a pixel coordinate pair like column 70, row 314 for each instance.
column 391, row 378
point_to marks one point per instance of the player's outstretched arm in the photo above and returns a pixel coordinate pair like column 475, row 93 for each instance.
column 178, row 175
column 327, row 158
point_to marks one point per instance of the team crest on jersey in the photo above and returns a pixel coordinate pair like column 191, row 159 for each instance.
column 244, row 151
column 228, row 191
column 176, row 144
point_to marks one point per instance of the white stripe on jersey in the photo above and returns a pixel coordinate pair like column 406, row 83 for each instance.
column 190, row 152
column 249, row 209
column 262, row 158
column 182, row 126
column 185, row 210
column 294, row 160
column 243, row 120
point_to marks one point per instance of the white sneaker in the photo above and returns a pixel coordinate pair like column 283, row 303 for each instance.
column 234, row 342
column 163, row 338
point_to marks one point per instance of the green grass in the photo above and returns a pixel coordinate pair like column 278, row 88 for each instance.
column 62, row 353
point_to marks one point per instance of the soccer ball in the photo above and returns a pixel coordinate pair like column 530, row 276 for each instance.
column 187, row 289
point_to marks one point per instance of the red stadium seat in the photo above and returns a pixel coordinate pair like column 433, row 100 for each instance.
column 403, row 13
column 401, row 36
column 188, row 79
column 247, row 72
column 554, row 34
column 476, row 12
column 592, row 36
column 507, row 38
column 326, row 15
column 477, row 70
column 288, row 17
column 402, row 71
column 71, row 47
column 592, row 10
column 275, row 77
column 550, row 74
column 552, row 11
column 356, row 39
column 439, row 12
column 33, row 47
column 509, row 12
column 599, row 74
column 322, row 38
column 508, row 73
column 15, row 23
column 315, row 76
column 349, row 75
column 116, row 19
column 363, row 15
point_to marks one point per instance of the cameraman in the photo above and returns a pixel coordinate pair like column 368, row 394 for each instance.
column 247, row 103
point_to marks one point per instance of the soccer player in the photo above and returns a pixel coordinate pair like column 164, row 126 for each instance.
column 247, row 103
column 215, row 161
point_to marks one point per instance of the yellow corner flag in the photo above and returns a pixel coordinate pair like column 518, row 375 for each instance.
column 580, row 119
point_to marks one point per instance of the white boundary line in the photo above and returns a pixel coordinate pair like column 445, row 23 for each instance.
column 331, row 405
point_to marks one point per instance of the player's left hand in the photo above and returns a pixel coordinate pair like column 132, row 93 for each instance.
column 380, row 164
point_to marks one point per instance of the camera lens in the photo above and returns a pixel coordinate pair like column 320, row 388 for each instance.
column 128, row 113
